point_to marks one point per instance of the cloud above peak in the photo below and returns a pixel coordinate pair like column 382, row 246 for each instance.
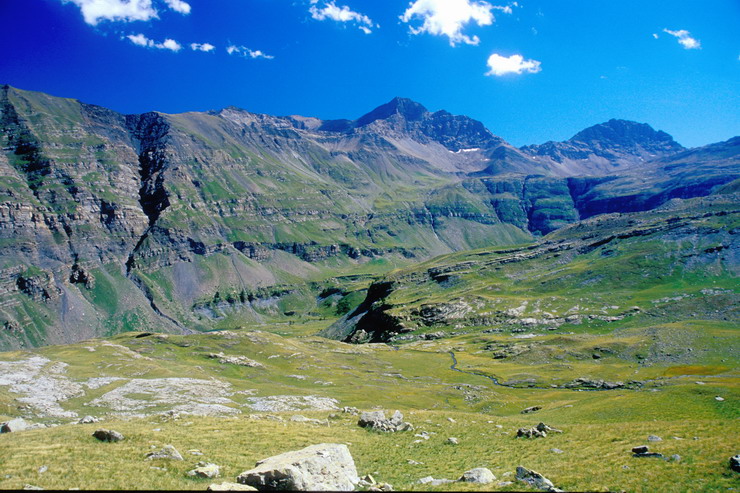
column 330, row 10
column 94, row 11
column 449, row 17
column 685, row 39
column 515, row 64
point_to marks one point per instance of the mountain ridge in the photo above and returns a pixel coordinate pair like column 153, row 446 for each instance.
column 137, row 220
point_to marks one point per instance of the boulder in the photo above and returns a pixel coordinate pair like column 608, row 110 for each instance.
column 205, row 470
column 323, row 467
column 654, row 438
column 735, row 463
column 230, row 487
column 108, row 435
column 534, row 479
column 480, row 475
column 640, row 450
column 88, row 420
column 168, row 452
column 532, row 409
column 376, row 420
column 17, row 424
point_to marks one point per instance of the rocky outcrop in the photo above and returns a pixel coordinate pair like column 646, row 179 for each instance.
column 376, row 420
column 323, row 467
column 535, row 479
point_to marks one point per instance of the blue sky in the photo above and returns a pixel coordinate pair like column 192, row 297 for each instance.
column 530, row 70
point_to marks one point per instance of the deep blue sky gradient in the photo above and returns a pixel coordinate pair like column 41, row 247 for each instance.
column 599, row 61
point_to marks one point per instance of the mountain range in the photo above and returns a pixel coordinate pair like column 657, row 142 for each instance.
column 202, row 220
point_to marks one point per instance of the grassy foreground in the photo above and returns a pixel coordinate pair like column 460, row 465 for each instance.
column 599, row 428
column 596, row 457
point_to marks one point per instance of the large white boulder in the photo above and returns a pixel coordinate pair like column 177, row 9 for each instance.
column 323, row 467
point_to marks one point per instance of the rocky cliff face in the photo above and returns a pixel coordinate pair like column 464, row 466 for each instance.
column 111, row 222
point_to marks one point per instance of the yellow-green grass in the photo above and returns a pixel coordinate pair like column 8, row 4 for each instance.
column 596, row 457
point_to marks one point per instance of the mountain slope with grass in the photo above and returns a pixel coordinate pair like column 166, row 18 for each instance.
column 195, row 221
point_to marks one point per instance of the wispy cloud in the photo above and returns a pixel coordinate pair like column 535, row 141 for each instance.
column 329, row 10
column 247, row 53
column 685, row 39
column 202, row 47
column 449, row 17
column 94, row 11
column 515, row 64
column 167, row 44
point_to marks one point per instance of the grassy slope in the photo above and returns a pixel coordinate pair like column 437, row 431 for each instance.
column 600, row 427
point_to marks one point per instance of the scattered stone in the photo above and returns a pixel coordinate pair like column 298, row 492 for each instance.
column 675, row 458
column 323, row 467
column 376, row 420
column 230, row 487
column 14, row 425
column 451, row 420
column 235, row 360
column 195, row 452
column 654, row 438
column 718, row 398
column 735, row 463
column 108, row 435
column 434, row 482
column 642, row 451
column 414, row 463
column 205, row 470
column 381, row 487
column 539, row 431
column 556, row 451
column 43, row 469
column 168, row 452
column 453, row 441
column 534, row 479
column 32, row 487
column 351, row 410
column 532, row 409
column 480, row 475
column 88, row 420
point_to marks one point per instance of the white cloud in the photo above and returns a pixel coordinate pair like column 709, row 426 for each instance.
column 655, row 36
column 179, row 6
column 170, row 44
column 329, row 10
column 167, row 44
column 202, row 47
column 685, row 39
column 515, row 64
column 247, row 53
column 448, row 17
column 94, row 11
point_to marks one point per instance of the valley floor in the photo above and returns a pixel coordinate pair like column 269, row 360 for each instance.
column 233, row 395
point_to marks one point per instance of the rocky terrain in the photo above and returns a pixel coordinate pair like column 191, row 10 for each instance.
column 195, row 221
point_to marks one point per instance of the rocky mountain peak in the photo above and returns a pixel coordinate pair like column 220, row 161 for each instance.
column 625, row 133
column 406, row 108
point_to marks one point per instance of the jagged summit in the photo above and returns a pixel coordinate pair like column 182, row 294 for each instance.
column 408, row 109
column 626, row 133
